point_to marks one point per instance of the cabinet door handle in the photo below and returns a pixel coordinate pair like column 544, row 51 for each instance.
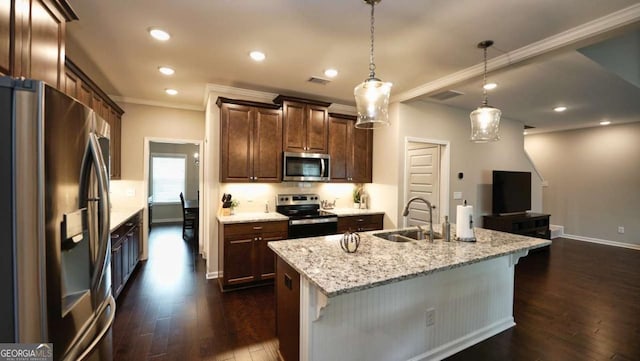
column 288, row 282
column 257, row 228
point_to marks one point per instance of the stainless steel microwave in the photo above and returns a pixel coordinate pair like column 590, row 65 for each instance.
column 305, row 167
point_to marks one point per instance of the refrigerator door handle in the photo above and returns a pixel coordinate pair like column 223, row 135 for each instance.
column 94, row 155
column 104, row 203
column 103, row 332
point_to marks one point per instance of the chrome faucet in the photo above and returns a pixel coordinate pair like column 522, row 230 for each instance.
column 406, row 213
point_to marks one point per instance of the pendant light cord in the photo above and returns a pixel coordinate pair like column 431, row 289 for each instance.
column 484, row 80
column 372, row 65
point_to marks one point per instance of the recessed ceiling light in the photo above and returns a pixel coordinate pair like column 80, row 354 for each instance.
column 331, row 73
column 171, row 91
column 166, row 70
column 525, row 132
column 257, row 55
column 560, row 109
column 159, row 34
column 605, row 122
column 490, row 86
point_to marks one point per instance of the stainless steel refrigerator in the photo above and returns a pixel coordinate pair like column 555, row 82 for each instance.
column 54, row 222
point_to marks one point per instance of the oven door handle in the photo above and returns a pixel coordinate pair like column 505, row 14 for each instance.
column 296, row 222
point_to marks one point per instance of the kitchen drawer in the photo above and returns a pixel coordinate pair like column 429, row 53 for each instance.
column 362, row 223
column 255, row 227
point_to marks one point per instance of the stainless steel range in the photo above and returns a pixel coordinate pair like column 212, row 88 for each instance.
column 306, row 219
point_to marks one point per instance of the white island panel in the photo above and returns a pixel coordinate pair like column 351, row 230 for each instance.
column 389, row 322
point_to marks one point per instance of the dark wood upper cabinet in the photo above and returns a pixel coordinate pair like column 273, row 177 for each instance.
column 362, row 156
column 32, row 45
column 267, row 145
column 306, row 124
column 351, row 150
column 36, row 39
column 77, row 84
column 339, row 146
column 250, row 141
column 5, row 37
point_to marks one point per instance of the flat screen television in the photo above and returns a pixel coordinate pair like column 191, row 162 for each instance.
column 511, row 192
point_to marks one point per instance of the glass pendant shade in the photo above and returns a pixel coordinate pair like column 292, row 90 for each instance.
column 372, row 103
column 485, row 121
column 485, row 124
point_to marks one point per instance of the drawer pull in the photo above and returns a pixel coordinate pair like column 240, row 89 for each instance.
column 257, row 228
column 115, row 235
column 241, row 241
column 360, row 220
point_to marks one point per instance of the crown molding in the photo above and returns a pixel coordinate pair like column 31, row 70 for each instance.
column 571, row 37
column 155, row 103
column 230, row 91
column 342, row 108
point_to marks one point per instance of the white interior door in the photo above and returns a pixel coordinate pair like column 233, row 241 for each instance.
column 422, row 179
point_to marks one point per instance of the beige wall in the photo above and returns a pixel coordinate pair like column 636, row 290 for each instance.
column 594, row 180
column 140, row 121
column 433, row 121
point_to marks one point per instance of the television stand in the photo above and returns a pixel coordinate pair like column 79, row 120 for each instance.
column 526, row 224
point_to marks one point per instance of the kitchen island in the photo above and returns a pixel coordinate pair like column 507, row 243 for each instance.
column 415, row 300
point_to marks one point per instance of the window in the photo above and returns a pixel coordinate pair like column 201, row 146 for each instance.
column 169, row 173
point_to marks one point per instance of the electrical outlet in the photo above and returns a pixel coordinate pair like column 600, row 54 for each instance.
column 457, row 195
column 621, row 229
column 431, row 317
column 130, row 192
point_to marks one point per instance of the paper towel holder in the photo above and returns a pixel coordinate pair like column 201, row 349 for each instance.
column 468, row 239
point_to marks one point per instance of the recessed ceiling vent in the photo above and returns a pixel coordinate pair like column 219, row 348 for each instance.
column 528, row 127
column 316, row 80
column 445, row 95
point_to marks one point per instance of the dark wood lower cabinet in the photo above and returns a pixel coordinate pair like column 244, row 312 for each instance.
column 287, row 311
column 244, row 258
column 125, row 252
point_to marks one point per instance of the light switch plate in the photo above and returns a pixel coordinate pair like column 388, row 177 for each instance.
column 457, row 195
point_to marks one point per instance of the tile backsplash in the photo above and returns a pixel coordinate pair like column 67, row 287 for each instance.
column 252, row 197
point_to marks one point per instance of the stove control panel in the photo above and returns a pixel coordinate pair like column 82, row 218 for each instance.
column 297, row 199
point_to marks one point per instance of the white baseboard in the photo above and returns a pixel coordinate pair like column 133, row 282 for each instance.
column 466, row 341
column 212, row 275
column 556, row 230
column 602, row 241
column 167, row 220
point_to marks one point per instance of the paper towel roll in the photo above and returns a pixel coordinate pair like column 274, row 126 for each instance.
column 464, row 226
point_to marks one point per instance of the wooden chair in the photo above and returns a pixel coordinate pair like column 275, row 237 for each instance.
column 189, row 220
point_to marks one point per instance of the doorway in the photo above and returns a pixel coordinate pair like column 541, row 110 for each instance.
column 426, row 175
column 172, row 166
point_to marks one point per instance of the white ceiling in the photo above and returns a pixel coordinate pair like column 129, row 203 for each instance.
column 417, row 42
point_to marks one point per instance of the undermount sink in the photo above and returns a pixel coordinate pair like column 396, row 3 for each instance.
column 406, row 235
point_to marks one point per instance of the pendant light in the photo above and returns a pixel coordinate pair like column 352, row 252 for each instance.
column 372, row 95
column 485, row 121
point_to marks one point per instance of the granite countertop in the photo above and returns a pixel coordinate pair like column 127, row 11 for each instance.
column 252, row 217
column 343, row 212
column 378, row 261
column 120, row 215
column 244, row 217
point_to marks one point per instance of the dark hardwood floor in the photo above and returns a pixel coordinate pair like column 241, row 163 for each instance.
column 579, row 301
column 168, row 311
